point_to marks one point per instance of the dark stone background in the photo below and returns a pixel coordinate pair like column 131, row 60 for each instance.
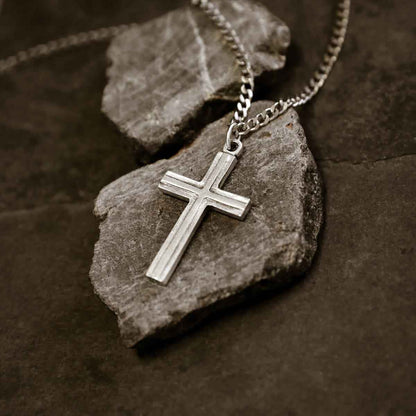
column 340, row 342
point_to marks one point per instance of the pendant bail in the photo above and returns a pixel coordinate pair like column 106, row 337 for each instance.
column 233, row 146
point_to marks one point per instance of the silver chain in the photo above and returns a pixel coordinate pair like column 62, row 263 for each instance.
column 235, row 44
column 240, row 126
column 48, row 48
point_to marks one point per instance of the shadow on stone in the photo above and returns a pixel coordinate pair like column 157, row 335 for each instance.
column 226, row 309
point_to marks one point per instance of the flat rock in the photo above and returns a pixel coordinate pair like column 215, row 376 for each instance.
column 274, row 244
column 165, row 71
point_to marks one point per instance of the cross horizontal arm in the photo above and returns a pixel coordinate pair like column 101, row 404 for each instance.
column 228, row 203
column 201, row 195
column 179, row 186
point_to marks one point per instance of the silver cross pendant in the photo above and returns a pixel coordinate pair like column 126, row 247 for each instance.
column 201, row 196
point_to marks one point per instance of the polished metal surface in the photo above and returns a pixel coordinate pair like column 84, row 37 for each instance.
column 201, row 195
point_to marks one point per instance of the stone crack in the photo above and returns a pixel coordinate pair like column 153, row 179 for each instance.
column 202, row 59
column 330, row 161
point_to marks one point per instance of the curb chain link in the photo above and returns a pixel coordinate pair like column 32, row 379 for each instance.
column 239, row 125
column 241, row 57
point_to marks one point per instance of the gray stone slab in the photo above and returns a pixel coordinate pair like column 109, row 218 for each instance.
column 324, row 347
column 165, row 71
column 275, row 243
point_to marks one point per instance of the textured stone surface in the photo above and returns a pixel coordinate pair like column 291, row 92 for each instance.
column 165, row 71
column 275, row 243
column 340, row 342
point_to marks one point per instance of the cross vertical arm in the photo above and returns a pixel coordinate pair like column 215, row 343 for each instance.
column 173, row 248
column 200, row 195
column 219, row 170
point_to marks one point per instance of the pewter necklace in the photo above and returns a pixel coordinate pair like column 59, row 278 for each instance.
column 207, row 193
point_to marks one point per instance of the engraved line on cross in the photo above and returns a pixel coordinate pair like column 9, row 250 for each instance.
column 201, row 195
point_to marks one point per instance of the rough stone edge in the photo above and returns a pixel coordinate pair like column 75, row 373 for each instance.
column 190, row 125
column 272, row 276
column 313, row 206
